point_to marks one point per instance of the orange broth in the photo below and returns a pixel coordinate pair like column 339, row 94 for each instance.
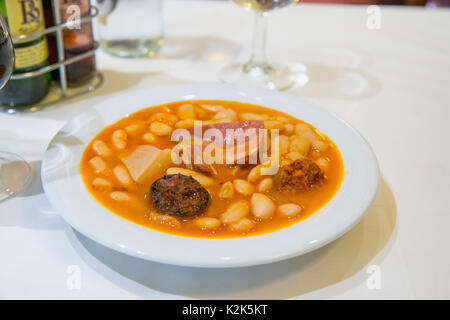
column 139, row 208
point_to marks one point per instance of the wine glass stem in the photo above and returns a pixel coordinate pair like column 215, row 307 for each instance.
column 258, row 55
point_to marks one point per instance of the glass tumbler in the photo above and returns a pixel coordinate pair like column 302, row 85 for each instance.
column 130, row 28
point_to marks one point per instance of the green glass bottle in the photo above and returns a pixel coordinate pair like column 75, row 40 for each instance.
column 25, row 17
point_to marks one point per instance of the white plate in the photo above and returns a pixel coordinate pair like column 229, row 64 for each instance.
column 65, row 189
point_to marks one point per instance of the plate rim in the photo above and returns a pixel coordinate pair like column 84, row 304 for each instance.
column 222, row 263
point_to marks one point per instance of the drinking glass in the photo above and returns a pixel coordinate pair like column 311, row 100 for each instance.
column 15, row 173
column 257, row 71
column 131, row 28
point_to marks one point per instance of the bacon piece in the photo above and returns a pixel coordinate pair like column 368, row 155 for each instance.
column 223, row 126
column 238, row 127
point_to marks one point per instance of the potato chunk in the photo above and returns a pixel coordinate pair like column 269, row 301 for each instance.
column 147, row 161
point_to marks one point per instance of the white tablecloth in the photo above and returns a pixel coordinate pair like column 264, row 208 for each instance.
column 392, row 84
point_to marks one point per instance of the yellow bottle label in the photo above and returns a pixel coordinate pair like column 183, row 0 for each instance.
column 25, row 17
column 31, row 55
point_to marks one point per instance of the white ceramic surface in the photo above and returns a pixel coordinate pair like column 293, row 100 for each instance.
column 65, row 189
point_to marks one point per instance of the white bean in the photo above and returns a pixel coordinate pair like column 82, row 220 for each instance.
column 323, row 163
column 149, row 137
column 97, row 164
column 226, row 191
column 300, row 145
column 302, row 128
column 273, row 124
column 262, row 206
column 100, row 182
column 235, row 212
column 186, row 111
column 294, row 155
column 265, row 185
column 201, row 114
column 122, row 175
column 283, row 144
column 282, row 119
column 310, row 136
column 207, row 223
column 254, row 174
column 289, row 210
column 289, row 128
column 119, row 139
column 186, row 123
column 243, row 187
column 135, row 128
column 228, row 114
column 160, row 129
column 119, row 196
column 101, row 148
column 320, row 145
column 242, row 225
column 164, row 117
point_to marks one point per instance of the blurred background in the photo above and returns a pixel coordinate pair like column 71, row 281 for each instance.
column 428, row 3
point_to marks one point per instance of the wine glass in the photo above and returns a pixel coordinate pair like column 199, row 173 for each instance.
column 15, row 173
column 257, row 71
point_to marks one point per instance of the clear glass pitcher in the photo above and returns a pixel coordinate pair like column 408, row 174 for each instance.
column 130, row 28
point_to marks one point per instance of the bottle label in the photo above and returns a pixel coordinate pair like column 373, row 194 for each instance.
column 31, row 55
column 25, row 17
column 80, row 35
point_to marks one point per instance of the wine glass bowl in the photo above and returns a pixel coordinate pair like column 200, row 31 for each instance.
column 257, row 71
column 263, row 5
column 15, row 173
column 6, row 54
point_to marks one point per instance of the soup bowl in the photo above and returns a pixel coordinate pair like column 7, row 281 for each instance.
column 64, row 186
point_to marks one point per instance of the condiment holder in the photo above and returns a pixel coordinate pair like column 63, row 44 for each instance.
column 59, row 91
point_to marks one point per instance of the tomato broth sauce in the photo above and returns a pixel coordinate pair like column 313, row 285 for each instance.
column 109, row 181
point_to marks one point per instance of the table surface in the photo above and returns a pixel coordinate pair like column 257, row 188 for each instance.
column 392, row 84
